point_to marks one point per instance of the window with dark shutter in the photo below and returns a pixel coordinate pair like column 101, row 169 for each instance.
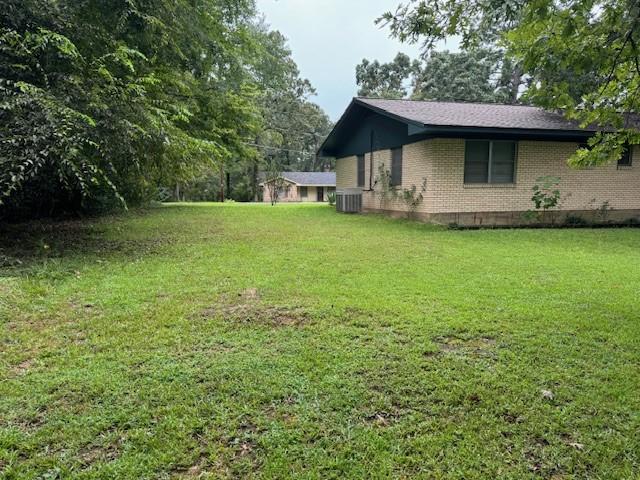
column 396, row 166
column 304, row 192
column 627, row 158
column 361, row 170
column 488, row 161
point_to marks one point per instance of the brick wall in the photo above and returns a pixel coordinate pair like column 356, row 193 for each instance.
column 441, row 163
column 347, row 172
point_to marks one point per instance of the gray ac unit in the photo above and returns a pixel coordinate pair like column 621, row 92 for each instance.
column 349, row 200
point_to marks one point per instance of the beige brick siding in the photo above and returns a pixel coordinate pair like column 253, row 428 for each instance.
column 416, row 168
column 347, row 172
column 585, row 189
column 441, row 162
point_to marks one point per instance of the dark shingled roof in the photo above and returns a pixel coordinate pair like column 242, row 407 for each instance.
column 320, row 179
column 480, row 115
column 391, row 123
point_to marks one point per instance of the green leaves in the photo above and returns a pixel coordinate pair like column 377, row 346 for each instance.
column 480, row 75
column 546, row 194
column 580, row 57
column 101, row 101
column 385, row 80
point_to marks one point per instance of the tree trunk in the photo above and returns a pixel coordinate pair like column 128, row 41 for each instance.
column 516, row 80
column 316, row 163
column 254, row 180
column 254, row 176
column 221, row 198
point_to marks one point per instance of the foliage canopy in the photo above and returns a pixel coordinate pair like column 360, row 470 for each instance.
column 580, row 57
column 104, row 101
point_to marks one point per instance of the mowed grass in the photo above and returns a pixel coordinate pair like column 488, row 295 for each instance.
column 241, row 341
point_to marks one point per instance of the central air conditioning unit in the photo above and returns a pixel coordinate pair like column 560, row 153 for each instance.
column 349, row 200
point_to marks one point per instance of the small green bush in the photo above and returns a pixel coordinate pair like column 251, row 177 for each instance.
column 575, row 221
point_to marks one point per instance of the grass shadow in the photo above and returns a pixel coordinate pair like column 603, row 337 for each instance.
column 26, row 245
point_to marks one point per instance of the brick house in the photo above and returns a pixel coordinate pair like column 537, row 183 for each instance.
column 303, row 187
column 473, row 164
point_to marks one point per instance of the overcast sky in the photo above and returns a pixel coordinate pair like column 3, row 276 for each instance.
column 329, row 38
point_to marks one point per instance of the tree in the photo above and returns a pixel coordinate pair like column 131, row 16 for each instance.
column 385, row 80
column 581, row 57
column 472, row 76
column 292, row 126
column 480, row 23
column 104, row 102
column 274, row 181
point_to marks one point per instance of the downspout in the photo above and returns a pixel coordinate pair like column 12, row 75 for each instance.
column 371, row 163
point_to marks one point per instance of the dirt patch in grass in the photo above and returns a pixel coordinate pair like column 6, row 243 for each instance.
column 108, row 450
column 83, row 308
column 477, row 346
column 22, row 368
column 275, row 316
column 195, row 471
column 99, row 454
column 382, row 419
column 248, row 309
column 242, row 449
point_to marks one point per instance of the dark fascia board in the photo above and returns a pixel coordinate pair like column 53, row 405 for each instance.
column 532, row 133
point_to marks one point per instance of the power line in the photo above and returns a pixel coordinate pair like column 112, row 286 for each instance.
column 266, row 147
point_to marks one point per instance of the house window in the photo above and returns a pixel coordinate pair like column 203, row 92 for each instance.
column 304, row 192
column 489, row 161
column 627, row 157
column 396, row 166
column 361, row 170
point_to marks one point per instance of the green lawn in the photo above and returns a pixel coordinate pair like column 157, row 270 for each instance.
column 250, row 341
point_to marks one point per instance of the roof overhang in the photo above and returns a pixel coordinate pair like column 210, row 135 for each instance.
column 316, row 184
column 416, row 131
column 261, row 184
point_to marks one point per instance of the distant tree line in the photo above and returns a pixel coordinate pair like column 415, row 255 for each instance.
column 478, row 75
column 107, row 103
